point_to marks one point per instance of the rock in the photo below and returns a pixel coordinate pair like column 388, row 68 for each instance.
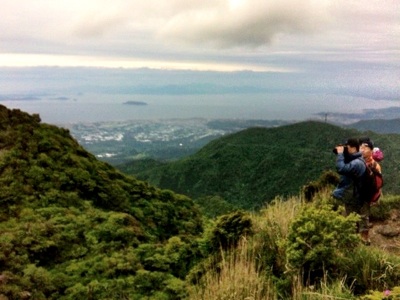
column 388, row 231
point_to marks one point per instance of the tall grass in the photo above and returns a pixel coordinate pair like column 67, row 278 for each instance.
column 326, row 290
column 257, row 268
column 382, row 210
column 374, row 269
column 247, row 272
column 235, row 278
column 275, row 219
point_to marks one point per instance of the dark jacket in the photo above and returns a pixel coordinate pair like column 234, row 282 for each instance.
column 350, row 169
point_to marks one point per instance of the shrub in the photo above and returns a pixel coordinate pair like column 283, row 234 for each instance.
column 326, row 180
column 320, row 240
column 229, row 229
column 214, row 206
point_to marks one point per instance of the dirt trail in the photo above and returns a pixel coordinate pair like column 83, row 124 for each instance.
column 386, row 235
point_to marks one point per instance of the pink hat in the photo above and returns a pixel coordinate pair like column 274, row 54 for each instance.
column 377, row 154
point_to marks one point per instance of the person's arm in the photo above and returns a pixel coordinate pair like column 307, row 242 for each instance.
column 354, row 168
column 340, row 164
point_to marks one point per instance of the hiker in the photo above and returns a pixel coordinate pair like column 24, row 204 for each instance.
column 367, row 151
column 351, row 167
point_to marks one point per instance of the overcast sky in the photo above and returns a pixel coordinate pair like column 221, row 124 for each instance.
column 223, row 35
column 310, row 55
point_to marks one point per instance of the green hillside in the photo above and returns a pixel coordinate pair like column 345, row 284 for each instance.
column 254, row 166
column 70, row 223
column 75, row 228
column 378, row 125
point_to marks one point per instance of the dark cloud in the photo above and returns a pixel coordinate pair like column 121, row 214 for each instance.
column 159, row 34
column 247, row 23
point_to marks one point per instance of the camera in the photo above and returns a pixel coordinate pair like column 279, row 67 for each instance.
column 345, row 150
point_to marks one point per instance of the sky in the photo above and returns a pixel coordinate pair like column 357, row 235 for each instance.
column 347, row 47
column 196, row 34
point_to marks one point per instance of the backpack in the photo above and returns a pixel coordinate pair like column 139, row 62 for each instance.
column 371, row 184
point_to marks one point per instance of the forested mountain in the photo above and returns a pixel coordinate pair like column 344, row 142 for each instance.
column 378, row 125
column 252, row 167
column 70, row 223
column 75, row 228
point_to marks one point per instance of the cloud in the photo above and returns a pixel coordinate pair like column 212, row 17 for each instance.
column 245, row 23
column 98, row 25
column 199, row 32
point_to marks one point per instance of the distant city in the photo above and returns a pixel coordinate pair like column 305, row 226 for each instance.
column 117, row 142
column 168, row 139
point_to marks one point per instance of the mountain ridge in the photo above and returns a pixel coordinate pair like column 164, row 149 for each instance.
column 73, row 227
column 378, row 125
column 39, row 160
column 257, row 164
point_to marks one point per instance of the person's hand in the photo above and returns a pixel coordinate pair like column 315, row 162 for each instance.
column 340, row 149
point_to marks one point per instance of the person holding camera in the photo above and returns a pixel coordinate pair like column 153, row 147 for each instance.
column 351, row 167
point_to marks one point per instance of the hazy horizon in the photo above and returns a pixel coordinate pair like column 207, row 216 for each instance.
column 224, row 58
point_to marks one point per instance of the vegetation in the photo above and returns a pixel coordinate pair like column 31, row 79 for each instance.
column 299, row 250
column 72, row 227
column 162, row 140
column 378, row 125
column 250, row 168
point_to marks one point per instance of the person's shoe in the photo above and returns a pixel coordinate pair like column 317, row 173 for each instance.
column 365, row 238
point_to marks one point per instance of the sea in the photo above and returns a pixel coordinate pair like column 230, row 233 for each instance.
column 91, row 108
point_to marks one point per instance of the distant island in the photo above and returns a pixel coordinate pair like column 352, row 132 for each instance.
column 135, row 103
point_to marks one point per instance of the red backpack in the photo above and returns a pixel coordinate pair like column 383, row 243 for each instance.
column 371, row 184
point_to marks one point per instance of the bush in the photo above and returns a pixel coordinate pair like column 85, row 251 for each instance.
column 320, row 240
column 229, row 229
column 326, row 180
